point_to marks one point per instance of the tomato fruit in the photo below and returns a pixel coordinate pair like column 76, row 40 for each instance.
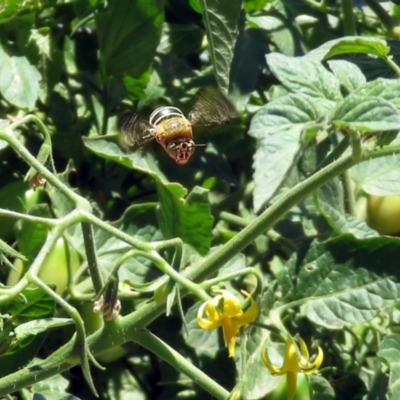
column 54, row 270
column 383, row 214
column 16, row 196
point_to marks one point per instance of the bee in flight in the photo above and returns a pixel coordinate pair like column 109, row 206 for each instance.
column 169, row 126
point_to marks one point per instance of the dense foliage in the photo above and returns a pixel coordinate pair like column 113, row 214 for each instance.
column 262, row 268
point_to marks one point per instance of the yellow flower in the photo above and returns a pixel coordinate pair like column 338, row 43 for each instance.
column 224, row 310
column 295, row 362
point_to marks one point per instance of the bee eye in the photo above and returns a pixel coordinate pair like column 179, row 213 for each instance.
column 172, row 146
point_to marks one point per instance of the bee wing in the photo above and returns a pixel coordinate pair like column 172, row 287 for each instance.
column 210, row 107
column 135, row 131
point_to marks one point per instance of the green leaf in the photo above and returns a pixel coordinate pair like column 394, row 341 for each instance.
column 321, row 389
column 36, row 304
column 247, row 62
column 121, row 29
column 181, row 39
column 388, row 89
column 54, row 388
column 350, row 44
column 348, row 74
column 339, row 280
column 138, row 221
column 329, row 200
column 188, row 219
column 108, row 148
column 33, row 328
column 278, row 127
column 366, row 114
column 220, row 18
column 19, row 80
column 301, row 75
column 198, row 338
column 11, row 8
column 359, row 228
column 378, row 176
column 389, row 350
column 32, row 304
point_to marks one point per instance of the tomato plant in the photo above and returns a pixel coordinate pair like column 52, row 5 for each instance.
column 200, row 167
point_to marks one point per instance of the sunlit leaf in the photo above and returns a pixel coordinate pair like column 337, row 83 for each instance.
column 278, row 127
column 301, row 75
column 378, row 176
column 350, row 44
column 366, row 114
column 388, row 89
column 108, row 147
column 341, row 279
column 348, row 74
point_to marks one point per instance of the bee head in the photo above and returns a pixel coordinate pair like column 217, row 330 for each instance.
column 181, row 150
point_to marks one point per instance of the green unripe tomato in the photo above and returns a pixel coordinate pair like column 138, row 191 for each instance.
column 54, row 270
column 16, row 196
column 384, row 214
column 93, row 322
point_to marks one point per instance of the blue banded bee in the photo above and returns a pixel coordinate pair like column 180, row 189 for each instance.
column 171, row 129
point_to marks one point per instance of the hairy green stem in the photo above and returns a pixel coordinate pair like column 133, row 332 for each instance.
column 27, row 217
column 90, row 249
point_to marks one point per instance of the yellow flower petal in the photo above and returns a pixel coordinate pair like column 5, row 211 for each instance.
column 230, row 331
column 251, row 313
column 204, row 323
column 316, row 364
column 267, row 362
column 231, row 304
column 304, row 350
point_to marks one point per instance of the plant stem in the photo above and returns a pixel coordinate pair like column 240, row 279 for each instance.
column 90, row 250
column 392, row 64
column 349, row 25
column 176, row 360
column 389, row 22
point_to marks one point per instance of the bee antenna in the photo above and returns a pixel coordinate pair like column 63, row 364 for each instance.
column 199, row 145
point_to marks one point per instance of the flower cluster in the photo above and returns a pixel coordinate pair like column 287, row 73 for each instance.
column 224, row 310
